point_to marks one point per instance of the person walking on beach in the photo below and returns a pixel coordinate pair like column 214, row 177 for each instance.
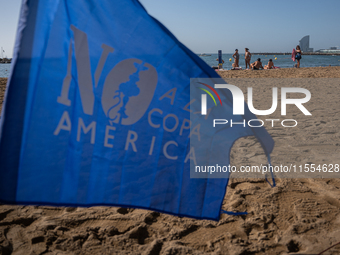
column 298, row 55
column 247, row 57
column 236, row 57
column 256, row 65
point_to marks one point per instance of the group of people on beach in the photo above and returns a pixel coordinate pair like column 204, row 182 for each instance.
column 257, row 65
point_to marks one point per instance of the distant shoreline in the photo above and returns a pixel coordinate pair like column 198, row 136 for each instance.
column 288, row 53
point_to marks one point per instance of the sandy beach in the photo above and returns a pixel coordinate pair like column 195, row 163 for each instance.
column 310, row 72
column 301, row 215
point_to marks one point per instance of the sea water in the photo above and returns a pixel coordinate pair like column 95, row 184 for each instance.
column 5, row 70
column 283, row 61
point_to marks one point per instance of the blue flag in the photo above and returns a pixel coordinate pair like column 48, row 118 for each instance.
column 97, row 112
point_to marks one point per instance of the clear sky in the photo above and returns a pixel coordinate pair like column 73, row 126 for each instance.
column 9, row 16
column 211, row 25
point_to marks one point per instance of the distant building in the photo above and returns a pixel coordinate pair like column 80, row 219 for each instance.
column 333, row 48
column 304, row 44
